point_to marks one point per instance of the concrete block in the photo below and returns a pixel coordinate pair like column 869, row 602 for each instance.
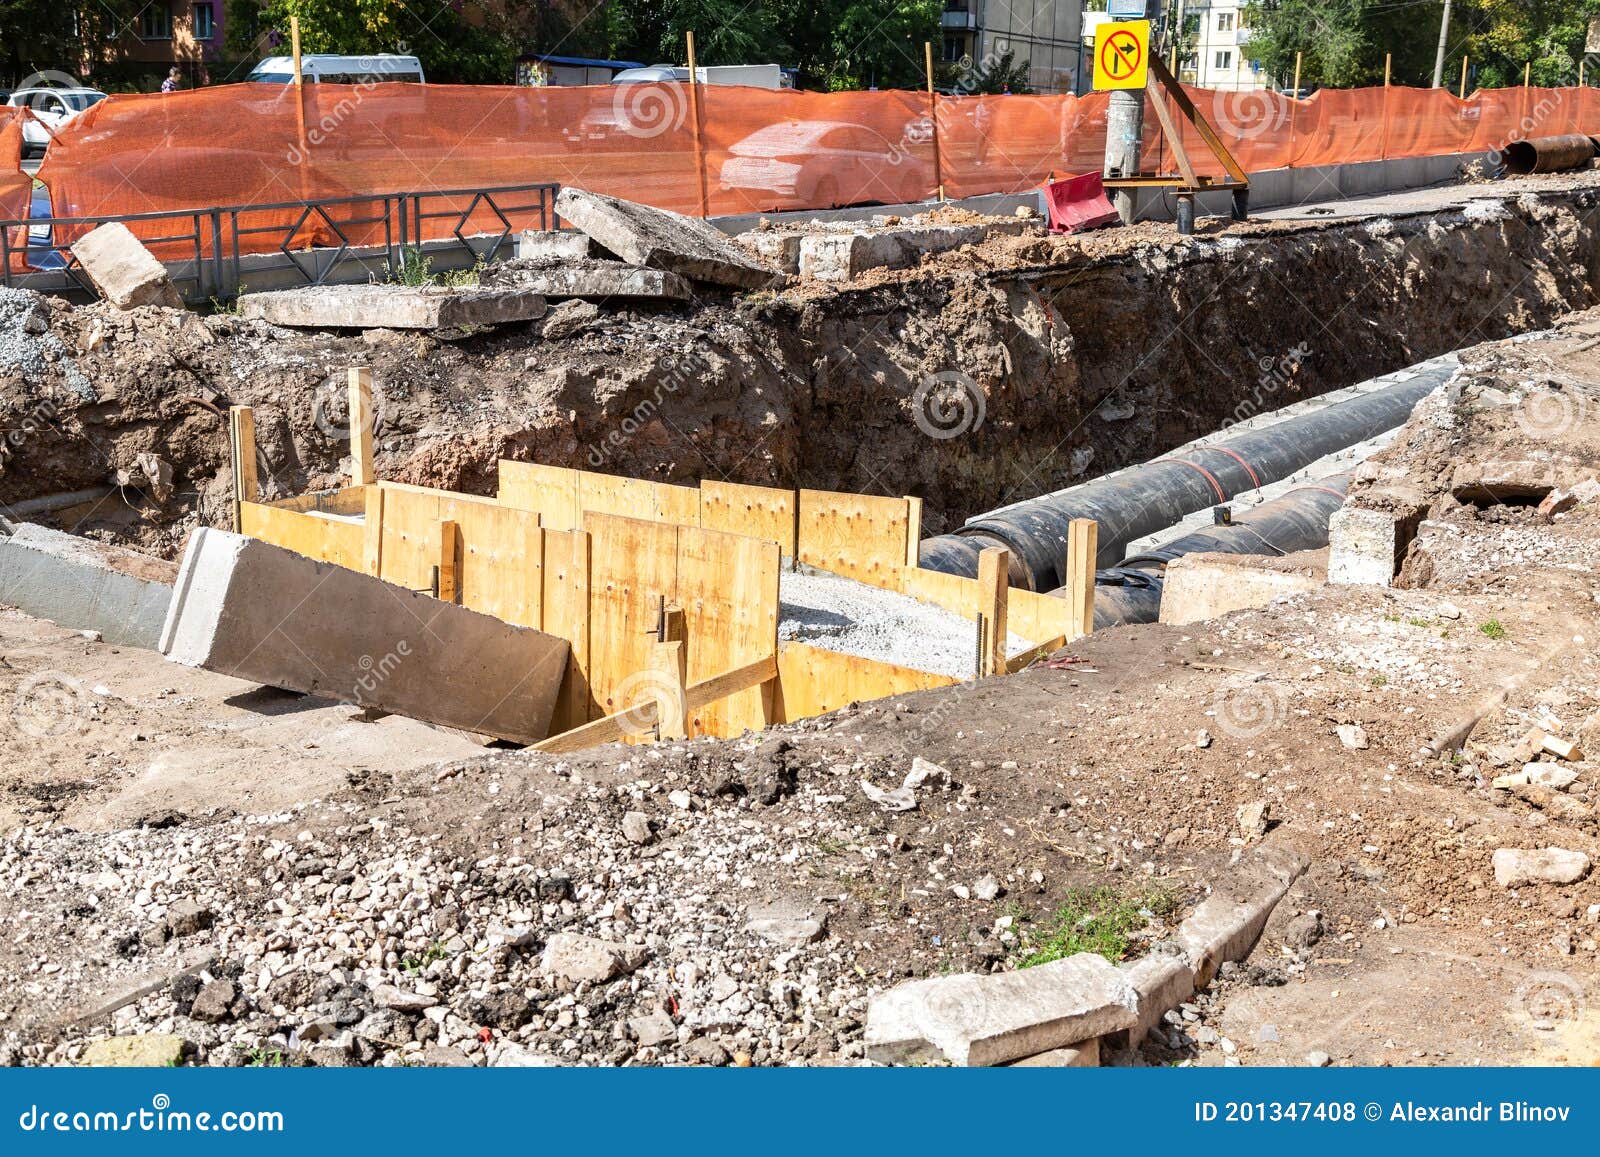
column 1364, row 547
column 123, row 270
column 662, row 240
column 841, row 256
column 592, row 280
column 1207, row 586
column 554, row 245
column 1162, row 983
column 86, row 585
column 255, row 611
column 1083, row 1056
column 992, row 1020
column 1228, row 923
column 392, row 306
column 775, row 248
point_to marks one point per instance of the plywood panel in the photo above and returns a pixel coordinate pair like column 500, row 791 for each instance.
column 633, row 570
column 857, row 535
column 813, row 681
column 1034, row 617
column 1038, row 617
column 608, row 494
column 564, row 608
column 410, row 535
column 754, row 511
column 325, row 539
column 550, row 491
column 348, row 500
column 500, row 558
column 728, row 589
column 679, row 505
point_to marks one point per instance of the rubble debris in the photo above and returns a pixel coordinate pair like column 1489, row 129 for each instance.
column 255, row 611
column 393, row 306
column 123, row 270
column 141, row 1051
column 572, row 956
column 588, row 279
column 1517, row 867
column 661, row 239
column 554, row 245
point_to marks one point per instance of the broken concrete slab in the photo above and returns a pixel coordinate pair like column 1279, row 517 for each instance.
column 393, row 306
column 1162, row 981
column 842, row 256
column 1518, row 867
column 575, row 957
column 1207, row 586
column 123, row 270
column 781, row 250
column 86, row 585
column 554, row 245
column 1364, row 546
column 990, row 1020
column 662, row 239
column 1083, row 1056
column 255, row 611
column 1228, row 923
column 592, row 280
column 789, row 924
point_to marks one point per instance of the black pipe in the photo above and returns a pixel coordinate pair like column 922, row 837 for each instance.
column 1548, row 154
column 1131, row 592
column 1142, row 500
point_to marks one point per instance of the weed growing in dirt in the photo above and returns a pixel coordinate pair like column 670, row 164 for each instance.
column 265, row 1058
column 414, row 965
column 416, row 268
column 1094, row 920
column 1494, row 629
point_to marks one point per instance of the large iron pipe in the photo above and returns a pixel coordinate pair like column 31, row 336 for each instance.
column 1298, row 520
column 1548, row 154
column 1144, row 499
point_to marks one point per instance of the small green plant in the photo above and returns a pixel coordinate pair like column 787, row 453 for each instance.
column 1493, row 629
column 225, row 308
column 462, row 278
column 412, row 965
column 1391, row 617
column 416, row 268
column 265, row 1058
column 1380, row 679
column 1418, row 621
column 1095, row 920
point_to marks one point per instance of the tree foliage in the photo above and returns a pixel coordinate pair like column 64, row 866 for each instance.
column 47, row 36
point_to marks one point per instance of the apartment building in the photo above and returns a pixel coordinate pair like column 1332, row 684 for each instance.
column 1216, row 47
column 1044, row 33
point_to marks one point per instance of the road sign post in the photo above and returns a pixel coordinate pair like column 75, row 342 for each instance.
column 1121, row 65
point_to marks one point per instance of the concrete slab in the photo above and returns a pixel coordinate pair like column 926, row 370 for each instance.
column 123, row 270
column 259, row 612
column 992, row 1020
column 589, row 279
column 554, row 245
column 1207, row 586
column 841, row 256
column 662, row 239
column 1162, row 983
column 1364, row 547
column 86, row 585
column 392, row 306
column 1084, row 1056
column 1228, row 923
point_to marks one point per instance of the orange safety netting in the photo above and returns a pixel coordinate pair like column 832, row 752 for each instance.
column 16, row 187
column 753, row 150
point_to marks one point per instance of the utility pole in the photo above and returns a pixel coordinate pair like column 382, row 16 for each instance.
column 1444, row 35
column 1124, row 136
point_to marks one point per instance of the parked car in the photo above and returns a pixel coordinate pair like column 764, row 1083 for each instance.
column 820, row 164
column 332, row 68
column 54, row 107
column 750, row 75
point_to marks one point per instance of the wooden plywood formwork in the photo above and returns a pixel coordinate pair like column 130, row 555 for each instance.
column 338, row 541
column 727, row 585
column 763, row 512
column 1030, row 615
column 813, row 681
column 860, row 536
column 550, row 491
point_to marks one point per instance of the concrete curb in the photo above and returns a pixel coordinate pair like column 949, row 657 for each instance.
column 85, row 585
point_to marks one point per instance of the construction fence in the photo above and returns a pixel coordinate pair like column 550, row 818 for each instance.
column 706, row 150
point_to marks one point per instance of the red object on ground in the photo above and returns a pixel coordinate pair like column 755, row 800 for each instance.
column 1079, row 203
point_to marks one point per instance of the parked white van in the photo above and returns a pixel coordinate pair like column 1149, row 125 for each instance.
column 752, row 75
column 329, row 68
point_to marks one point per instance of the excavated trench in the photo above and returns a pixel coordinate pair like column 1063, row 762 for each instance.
column 986, row 376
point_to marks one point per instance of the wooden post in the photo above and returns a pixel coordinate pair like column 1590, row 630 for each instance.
column 294, row 48
column 1388, row 63
column 449, row 564
column 699, row 143
column 372, row 543
column 673, row 628
column 671, row 688
column 1527, row 74
column 1297, row 59
column 1295, row 108
column 1083, row 545
column 913, row 530
column 1463, row 93
column 1581, row 61
column 242, row 449
column 361, row 473
column 994, row 586
column 933, row 117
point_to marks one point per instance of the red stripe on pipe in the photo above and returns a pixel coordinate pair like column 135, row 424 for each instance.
column 1222, row 495
column 1248, row 469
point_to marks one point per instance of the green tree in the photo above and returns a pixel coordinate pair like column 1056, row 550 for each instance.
column 44, row 36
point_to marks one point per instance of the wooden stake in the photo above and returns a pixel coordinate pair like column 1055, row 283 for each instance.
column 673, row 628
column 361, row 472
column 294, row 48
column 242, row 448
column 449, row 564
column 1083, row 545
column 1527, row 74
column 372, row 543
column 1463, row 93
column 933, row 117
column 1297, row 58
column 994, row 586
column 1581, row 61
column 1388, row 64
column 1388, row 61
column 699, row 143
column 672, row 698
column 913, row 530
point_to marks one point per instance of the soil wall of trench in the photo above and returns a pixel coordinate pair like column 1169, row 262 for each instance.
column 983, row 377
